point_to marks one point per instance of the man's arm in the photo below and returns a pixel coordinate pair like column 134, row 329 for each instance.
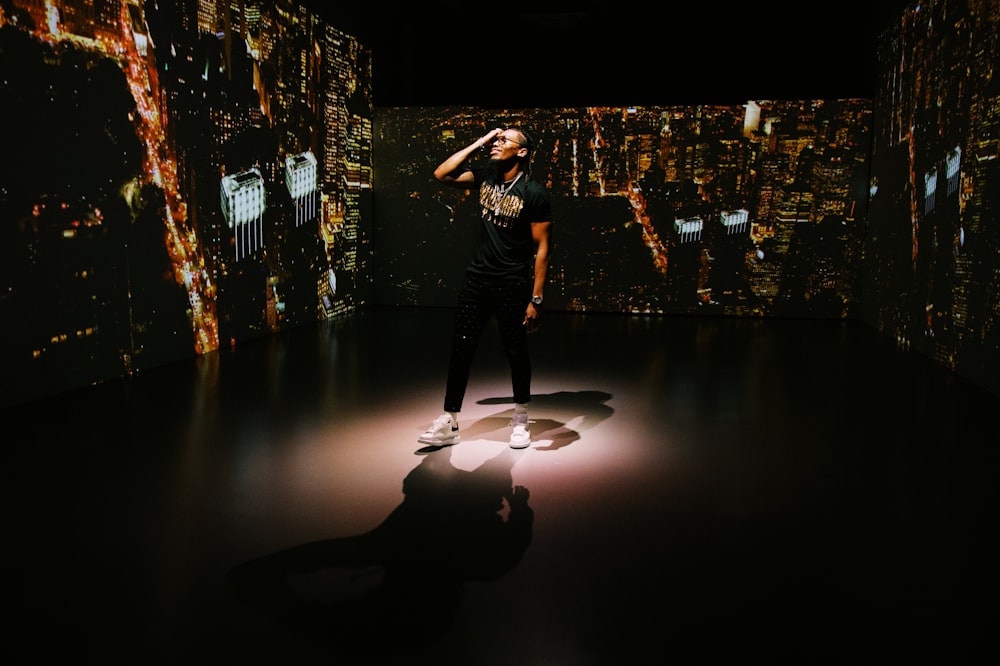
column 445, row 172
column 541, row 233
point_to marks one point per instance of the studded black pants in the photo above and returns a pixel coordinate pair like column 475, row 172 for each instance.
column 478, row 300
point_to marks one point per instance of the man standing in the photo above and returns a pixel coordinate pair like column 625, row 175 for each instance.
column 506, row 277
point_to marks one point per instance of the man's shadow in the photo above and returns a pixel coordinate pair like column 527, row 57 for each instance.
column 401, row 583
column 571, row 412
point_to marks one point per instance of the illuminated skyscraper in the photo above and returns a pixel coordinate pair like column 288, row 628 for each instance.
column 689, row 229
column 953, row 168
column 301, row 179
column 243, row 207
column 751, row 120
column 736, row 221
column 208, row 17
column 930, row 190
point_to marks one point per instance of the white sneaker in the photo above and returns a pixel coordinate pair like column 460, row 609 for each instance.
column 443, row 431
column 520, row 437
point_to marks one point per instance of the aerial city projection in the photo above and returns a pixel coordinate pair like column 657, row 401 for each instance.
column 932, row 279
column 756, row 209
column 182, row 176
column 196, row 177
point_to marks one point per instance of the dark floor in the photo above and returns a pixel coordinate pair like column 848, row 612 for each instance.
column 700, row 490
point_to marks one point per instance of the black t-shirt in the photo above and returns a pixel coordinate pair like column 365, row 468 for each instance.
column 506, row 247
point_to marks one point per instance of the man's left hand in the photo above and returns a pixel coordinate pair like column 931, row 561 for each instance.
column 531, row 317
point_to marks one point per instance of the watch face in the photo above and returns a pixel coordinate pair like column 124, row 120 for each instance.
column 537, row 300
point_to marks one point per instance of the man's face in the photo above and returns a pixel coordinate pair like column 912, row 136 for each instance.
column 506, row 146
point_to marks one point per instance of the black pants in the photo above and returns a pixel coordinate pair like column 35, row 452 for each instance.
column 478, row 300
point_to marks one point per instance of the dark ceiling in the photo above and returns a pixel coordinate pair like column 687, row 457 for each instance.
column 602, row 52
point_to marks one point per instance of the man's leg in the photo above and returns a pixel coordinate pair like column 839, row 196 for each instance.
column 514, row 334
column 512, row 300
column 471, row 315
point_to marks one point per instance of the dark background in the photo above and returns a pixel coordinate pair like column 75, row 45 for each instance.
column 552, row 53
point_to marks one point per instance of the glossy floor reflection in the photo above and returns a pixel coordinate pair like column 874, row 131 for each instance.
column 699, row 490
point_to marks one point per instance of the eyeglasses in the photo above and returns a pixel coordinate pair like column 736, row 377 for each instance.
column 503, row 141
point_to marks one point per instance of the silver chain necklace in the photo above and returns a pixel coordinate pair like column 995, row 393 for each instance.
column 504, row 189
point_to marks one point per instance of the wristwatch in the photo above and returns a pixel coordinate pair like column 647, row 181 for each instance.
column 537, row 300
